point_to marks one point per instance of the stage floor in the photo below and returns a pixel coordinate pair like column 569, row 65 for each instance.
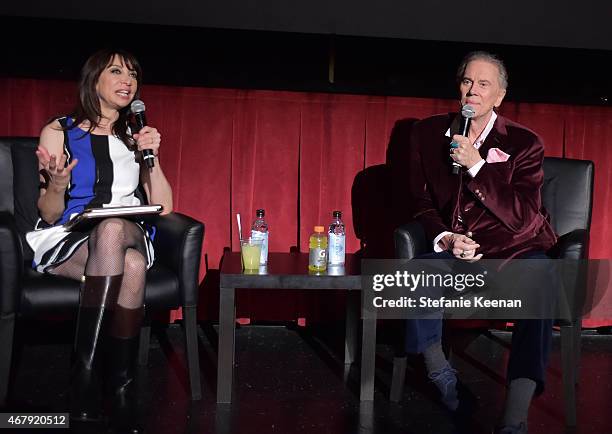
column 291, row 379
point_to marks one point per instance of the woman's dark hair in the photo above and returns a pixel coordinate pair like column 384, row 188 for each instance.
column 88, row 104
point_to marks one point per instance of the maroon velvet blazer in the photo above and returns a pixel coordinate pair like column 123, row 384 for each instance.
column 501, row 207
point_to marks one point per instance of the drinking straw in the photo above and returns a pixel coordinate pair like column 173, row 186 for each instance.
column 239, row 226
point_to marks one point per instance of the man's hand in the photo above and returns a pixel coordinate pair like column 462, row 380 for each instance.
column 465, row 153
column 462, row 247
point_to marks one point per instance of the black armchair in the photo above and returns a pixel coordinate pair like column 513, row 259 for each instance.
column 26, row 294
column 567, row 194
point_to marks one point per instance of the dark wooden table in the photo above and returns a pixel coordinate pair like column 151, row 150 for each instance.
column 290, row 271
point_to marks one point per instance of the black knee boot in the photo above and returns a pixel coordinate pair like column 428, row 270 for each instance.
column 96, row 291
column 121, row 348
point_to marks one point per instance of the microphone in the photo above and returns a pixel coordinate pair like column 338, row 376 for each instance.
column 138, row 108
column 467, row 113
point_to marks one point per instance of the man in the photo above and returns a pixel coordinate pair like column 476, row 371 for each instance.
column 490, row 209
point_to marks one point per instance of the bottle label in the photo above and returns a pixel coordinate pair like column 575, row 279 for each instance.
column 318, row 257
column 264, row 246
column 336, row 249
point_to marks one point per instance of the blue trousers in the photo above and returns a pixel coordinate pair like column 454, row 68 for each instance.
column 531, row 339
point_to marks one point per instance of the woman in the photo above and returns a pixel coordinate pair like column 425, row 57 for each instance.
column 91, row 159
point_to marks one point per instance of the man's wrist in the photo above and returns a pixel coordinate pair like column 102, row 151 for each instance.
column 447, row 241
column 441, row 242
column 473, row 171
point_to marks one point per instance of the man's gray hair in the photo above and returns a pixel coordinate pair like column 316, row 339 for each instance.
column 487, row 57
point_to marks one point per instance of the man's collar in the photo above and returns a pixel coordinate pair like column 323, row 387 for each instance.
column 485, row 133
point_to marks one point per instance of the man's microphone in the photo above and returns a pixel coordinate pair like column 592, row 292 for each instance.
column 138, row 108
column 467, row 113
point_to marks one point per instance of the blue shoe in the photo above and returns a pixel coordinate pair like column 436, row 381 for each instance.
column 446, row 381
column 521, row 428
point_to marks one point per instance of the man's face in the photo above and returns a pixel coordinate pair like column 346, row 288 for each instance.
column 480, row 88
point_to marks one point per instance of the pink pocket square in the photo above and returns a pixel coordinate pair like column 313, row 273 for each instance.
column 496, row 155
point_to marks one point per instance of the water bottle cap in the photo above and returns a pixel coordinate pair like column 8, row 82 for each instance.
column 319, row 229
column 260, row 212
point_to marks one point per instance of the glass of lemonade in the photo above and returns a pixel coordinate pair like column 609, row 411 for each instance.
column 250, row 250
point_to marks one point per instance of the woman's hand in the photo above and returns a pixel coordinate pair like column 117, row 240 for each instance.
column 55, row 172
column 148, row 138
column 153, row 180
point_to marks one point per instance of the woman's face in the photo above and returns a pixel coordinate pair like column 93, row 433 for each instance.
column 116, row 85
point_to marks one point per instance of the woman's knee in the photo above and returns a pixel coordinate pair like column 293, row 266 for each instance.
column 109, row 233
column 135, row 265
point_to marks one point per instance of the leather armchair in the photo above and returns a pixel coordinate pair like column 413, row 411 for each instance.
column 26, row 294
column 567, row 194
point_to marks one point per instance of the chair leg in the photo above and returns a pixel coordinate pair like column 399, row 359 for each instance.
column 193, row 356
column 577, row 348
column 398, row 378
column 143, row 344
column 568, row 365
column 7, row 332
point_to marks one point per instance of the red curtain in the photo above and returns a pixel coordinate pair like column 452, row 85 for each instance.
column 296, row 155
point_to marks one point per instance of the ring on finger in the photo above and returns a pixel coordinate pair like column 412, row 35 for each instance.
column 462, row 254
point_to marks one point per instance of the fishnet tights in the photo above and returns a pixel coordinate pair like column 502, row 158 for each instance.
column 115, row 247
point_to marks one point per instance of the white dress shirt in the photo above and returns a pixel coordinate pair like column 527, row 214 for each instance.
column 472, row 171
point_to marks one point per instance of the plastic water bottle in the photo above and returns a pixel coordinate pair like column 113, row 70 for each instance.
column 317, row 260
column 337, row 240
column 259, row 230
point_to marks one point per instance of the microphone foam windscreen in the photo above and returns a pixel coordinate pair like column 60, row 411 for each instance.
column 137, row 106
column 467, row 111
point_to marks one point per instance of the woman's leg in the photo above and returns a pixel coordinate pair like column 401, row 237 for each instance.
column 122, row 343
column 108, row 244
column 74, row 267
column 103, row 262
column 85, row 389
column 120, row 249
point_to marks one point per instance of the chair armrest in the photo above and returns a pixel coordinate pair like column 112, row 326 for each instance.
column 573, row 245
column 11, row 264
column 410, row 241
column 178, row 246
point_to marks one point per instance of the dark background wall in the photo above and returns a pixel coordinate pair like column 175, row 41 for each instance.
column 551, row 23
column 554, row 53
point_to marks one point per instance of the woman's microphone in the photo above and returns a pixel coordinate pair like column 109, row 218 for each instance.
column 138, row 108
